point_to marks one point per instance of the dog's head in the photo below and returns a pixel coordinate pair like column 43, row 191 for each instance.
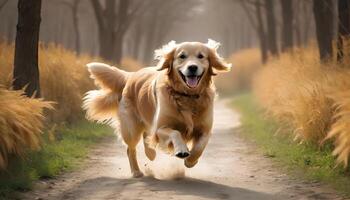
column 191, row 63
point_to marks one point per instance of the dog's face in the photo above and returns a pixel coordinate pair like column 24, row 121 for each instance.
column 190, row 62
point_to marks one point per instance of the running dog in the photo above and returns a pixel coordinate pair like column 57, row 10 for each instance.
column 169, row 105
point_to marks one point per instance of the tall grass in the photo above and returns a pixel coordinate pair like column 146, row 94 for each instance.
column 304, row 160
column 63, row 79
column 245, row 63
column 55, row 156
column 309, row 97
column 21, row 123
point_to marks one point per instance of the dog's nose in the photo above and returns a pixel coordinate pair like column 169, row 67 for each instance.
column 193, row 68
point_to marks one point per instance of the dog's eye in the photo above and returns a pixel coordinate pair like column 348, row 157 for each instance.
column 183, row 56
column 200, row 56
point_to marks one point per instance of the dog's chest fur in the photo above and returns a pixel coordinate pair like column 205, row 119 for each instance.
column 193, row 109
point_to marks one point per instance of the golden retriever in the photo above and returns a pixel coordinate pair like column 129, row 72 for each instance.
column 170, row 105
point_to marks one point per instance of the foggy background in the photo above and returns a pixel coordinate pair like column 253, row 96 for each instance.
column 290, row 78
column 148, row 25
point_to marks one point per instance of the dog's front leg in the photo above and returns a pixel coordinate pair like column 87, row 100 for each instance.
column 197, row 150
column 172, row 140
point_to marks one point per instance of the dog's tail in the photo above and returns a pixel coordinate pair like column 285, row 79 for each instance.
column 102, row 105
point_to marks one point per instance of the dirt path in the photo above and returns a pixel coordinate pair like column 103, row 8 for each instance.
column 229, row 169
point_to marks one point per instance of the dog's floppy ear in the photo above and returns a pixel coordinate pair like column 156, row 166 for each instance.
column 165, row 55
column 215, row 60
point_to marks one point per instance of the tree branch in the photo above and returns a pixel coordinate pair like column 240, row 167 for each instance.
column 98, row 10
column 3, row 4
column 249, row 14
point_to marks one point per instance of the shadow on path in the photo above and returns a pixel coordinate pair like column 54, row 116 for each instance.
column 185, row 186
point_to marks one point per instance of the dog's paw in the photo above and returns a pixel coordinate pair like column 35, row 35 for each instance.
column 181, row 150
column 190, row 164
column 137, row 174
column 182, row 154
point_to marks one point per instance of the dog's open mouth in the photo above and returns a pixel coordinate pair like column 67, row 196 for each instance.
column 191, row 81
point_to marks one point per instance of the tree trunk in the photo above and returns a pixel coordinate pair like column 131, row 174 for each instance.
column 287, row 24
column 122, row 26
column 323, row 14
column 26, row 70
column 106, row 23
column 149, row 46
column 149, row 36
column 242, row 38
column 112, row 26
column 298, row 39
column 136, row 42
column 118, row 46
column 261, row 33
column 307, row 16
column 10, row 31
column 271, row 27
column 2, row 4
column 298, row 24
column 258, row 26
column 76, row 26
column 106, row 41
column 343, row 27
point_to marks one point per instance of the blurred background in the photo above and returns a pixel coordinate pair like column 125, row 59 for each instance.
column 138, row 27
column 135, row 28
column 290, row 66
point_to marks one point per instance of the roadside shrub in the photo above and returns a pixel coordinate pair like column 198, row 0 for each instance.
column 309, row 97
column 21, row 123
column 340, row 129
column 244, row 65
column 130, row 64
column 63, row 78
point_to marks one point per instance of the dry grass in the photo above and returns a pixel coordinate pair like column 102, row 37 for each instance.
column 21, row 122
column 309, row 97
column 340, row 129
column 130, row 64
column 63, row 78
column 244, row 65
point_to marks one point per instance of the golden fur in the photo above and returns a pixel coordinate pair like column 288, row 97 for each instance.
column 169, row 109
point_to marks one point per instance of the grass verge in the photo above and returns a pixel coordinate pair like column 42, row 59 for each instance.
column 61, row 151
column 307, row 160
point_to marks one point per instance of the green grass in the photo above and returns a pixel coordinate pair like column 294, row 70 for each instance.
column 303, row 160
column 62, row 150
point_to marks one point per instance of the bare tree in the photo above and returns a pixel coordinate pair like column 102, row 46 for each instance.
column 113, row 21
column 74, row 6
column 151, row 28
column 160, row 21
column 287, row 25
column 323, row 14
column 106, row 20
column 307, row 13
column 271, row 27
column 343, row 27
column 136, row 39
column 302, row 22
column 258, row 24
column 3, row 3
column 26, row 70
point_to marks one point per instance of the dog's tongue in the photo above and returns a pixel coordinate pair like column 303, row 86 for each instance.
column 192, row 81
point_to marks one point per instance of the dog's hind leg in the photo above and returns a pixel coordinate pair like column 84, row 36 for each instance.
column 131, row 131
column 135, row 170
column 131, row 139
column 150, row 152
